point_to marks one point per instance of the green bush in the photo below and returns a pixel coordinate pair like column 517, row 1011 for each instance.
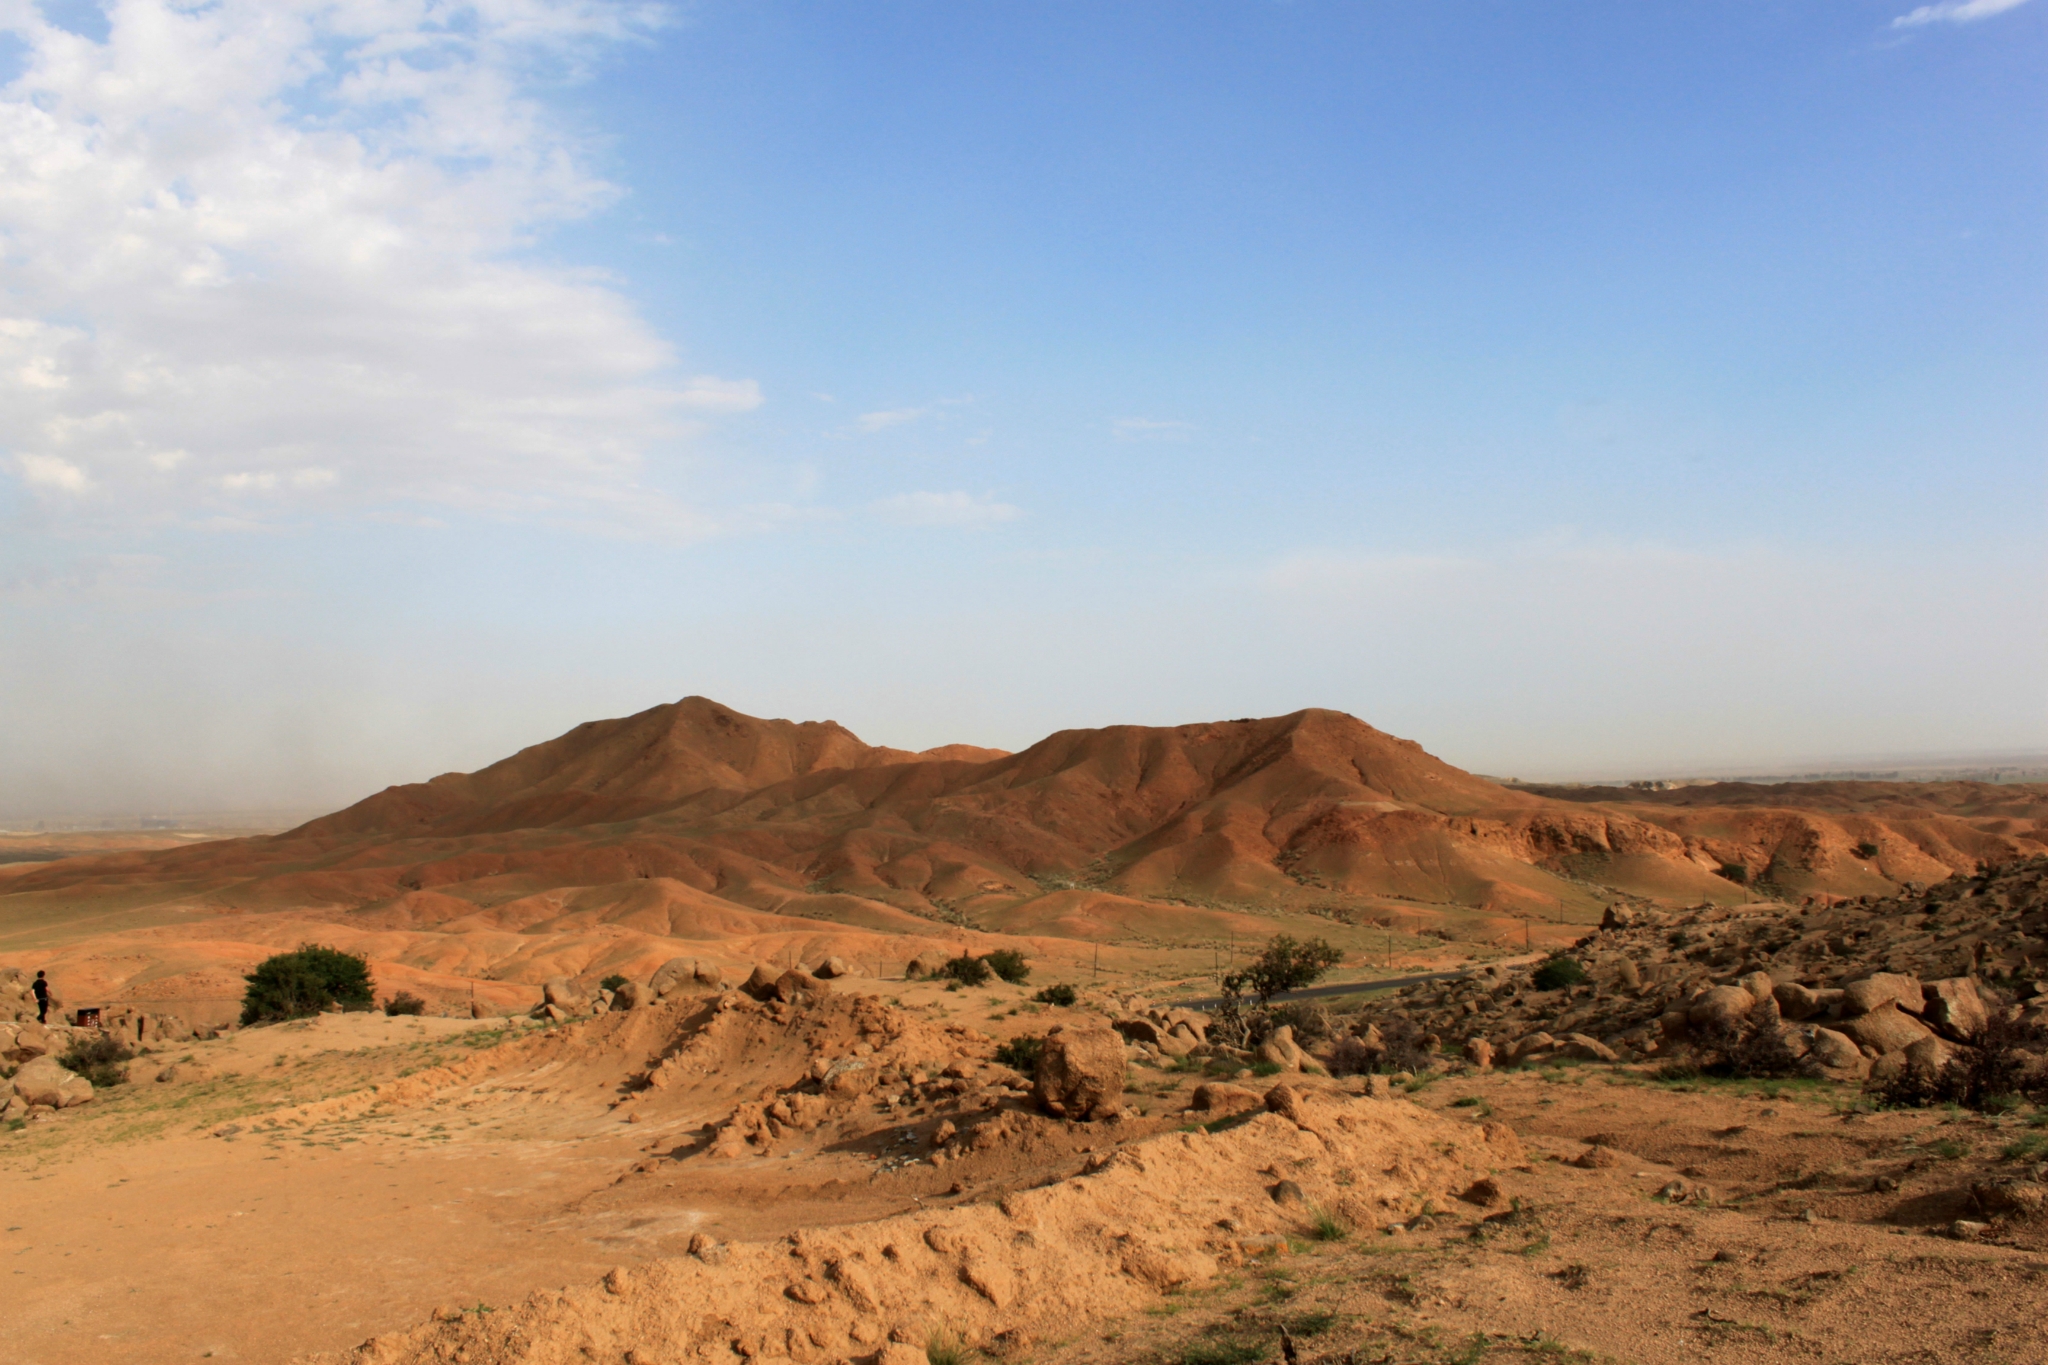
column 967, row 969
column 405, row 1002
column 306, row 981
column 1558, row 973
column 1009, row 964
column 1734, row 872
column 1021, row 1053
column 612, row 982
column 1866, row 850
column 1061, row 995
column 98, row 1059
column 1285, row 965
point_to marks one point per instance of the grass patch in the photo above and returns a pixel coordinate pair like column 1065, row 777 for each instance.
column 1266, row 1068
column 1325, row 1226
column 946, row 1348
column 2025, row 1147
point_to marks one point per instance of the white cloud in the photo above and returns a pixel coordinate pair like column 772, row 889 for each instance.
column 943, row 509
column 51, row 471
column 1955, row 12
column 276, row 245
column 893, row 417
column 710, row 394
column 1151, row 429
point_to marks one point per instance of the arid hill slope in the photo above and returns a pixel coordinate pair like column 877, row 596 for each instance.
column 694, row 828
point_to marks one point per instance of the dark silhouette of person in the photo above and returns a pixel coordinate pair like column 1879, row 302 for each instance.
column 42, row 990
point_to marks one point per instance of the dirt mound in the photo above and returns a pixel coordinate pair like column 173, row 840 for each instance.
column 1161, row 1216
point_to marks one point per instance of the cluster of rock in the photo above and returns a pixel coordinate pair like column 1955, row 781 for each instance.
column 562, row 998
column 1853, row 989
column 39, row 1083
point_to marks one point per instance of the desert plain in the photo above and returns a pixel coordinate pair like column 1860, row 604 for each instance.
column 781, row 1131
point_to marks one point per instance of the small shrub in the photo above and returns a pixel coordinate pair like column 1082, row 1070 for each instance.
column 1021, row 1053
column 1061, row 995
column 1325, row 1226
column 1266, row 1068
column 1996, row 1068
column 1866, row 850
column 98, row 1059
column 1285, row 965
column 304, row 982
column 612, row 982
column 945, row 1348
column 1558, row 973
column 1009, row 964
column 1734, row 872
column 405, row 1002
column 966, row 970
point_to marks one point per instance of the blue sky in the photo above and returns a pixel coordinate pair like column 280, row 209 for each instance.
column 1605, row 388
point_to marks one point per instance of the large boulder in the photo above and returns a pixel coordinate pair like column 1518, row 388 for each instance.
column 1212, row 1097
column 1880, row 989
column 760, row 983
column 834, row 967
column 561, row 992
column 1800, row 1002
column 1081, row 1073
column 794, row 984
column 672, row 975
column 1887, row 1028
column 1954, row 1007
column 1721, row 1007
column 1836, row 1056
column 30, row 1041
column 704, row 974
column 1280, row 1049
column 1479, row 1052
column 43, row 1081
column 1930, row 1055
column 630, row 995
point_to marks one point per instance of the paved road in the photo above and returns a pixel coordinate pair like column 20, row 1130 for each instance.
column 1391, row 983
column 1323, row 992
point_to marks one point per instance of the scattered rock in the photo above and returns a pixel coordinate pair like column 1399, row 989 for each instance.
column 1081, row 1070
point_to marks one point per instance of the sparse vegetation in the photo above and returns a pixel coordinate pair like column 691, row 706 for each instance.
column 99, row 1059
column 1989, row 1076
column 1734, row 872
column 1557, row 973
column 966, row 970
column 1021, row 1053
column 304, row 982
column 1325, row 1226
column 405, row 1002
column 612, row 982
column 946, row 1348
column 1061, row 995
column 1009, row 964
column 1866, row 850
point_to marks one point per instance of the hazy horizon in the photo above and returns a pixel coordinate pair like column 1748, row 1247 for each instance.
column 1590, row 391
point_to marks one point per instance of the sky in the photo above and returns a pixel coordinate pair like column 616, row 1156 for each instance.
column 1609, row 388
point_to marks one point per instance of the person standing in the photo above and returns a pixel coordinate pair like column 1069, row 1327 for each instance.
column 42, row 990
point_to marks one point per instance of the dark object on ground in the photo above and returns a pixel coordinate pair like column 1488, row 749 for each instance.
column 405, row 1002
column 1061, row 995
column 306, row 981
column 612, row 982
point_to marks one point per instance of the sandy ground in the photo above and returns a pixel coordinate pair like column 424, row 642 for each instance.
column 247, row 1215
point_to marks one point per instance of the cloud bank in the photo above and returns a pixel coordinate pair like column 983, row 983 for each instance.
column 266, row 253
